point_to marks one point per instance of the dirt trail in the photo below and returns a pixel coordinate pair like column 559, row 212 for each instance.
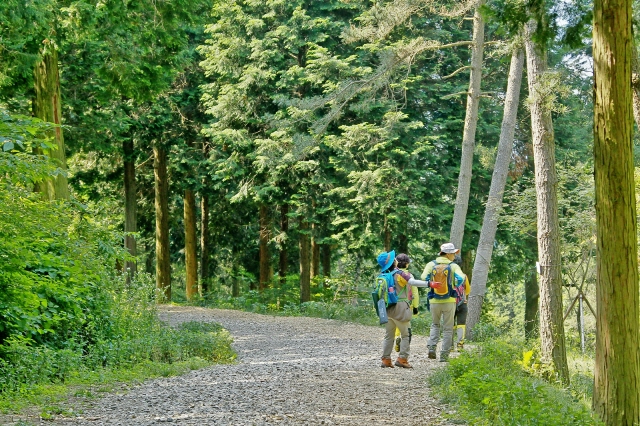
column 290, row 371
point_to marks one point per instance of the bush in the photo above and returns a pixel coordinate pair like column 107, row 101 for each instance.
column 488, row 387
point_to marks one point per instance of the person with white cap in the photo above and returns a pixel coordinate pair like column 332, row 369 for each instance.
column 442, row 274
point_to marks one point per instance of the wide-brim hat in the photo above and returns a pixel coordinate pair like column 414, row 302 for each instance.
column 385, row 260
column 448, row 248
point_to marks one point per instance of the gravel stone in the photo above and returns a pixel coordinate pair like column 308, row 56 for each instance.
column 290, row 371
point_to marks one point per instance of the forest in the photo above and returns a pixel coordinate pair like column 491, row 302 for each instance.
column 259, row 155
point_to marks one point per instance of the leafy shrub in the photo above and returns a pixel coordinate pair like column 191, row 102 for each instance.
column 488, row 387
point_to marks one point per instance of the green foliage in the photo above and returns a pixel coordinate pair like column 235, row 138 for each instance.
column 488, row 387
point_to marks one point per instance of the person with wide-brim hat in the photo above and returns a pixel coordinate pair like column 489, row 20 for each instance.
column 399, row 315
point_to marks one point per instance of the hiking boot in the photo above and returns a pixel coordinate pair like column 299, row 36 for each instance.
column 402, row 362
column 460, row 346
column 397, row 346
column 386, row 363
column 432, row 352
column 444, row 357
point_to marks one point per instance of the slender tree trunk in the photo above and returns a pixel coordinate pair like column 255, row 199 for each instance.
column 305, row 263
column 190, row 244
column 204, row 244
column 467, row 265
column 130, row 206
column 616, row 392
column 498, row 182
column 315, row 252
column 403, row 243
column 469, row 132
column 531, row 298
column 148, row 262
column 551, row 316
column 235, row 281
column 265, row 268
column 387, row 233
column 46, row 106
column 163, row 265
column 283, row 262
column 326, row 260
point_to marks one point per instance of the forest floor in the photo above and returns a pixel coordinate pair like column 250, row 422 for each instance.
column 290, row 371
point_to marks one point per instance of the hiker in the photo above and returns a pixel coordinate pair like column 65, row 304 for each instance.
column 443, row 276
column 403, row 264
column 460, row 318
column 399, row 314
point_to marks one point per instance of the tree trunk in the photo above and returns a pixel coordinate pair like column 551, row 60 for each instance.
column 265, row 267
column 467, row 264
column 386, row 234
column 46, row 106
column 531, row 298
column 315, row 252
column 469, row 132
column 616, row 391
column 551, row 316
column 190, row 244
column 498, row 182
column 130, row 206
column 235, row 281
column 326, row 260
column 305, row 264
column 284, row 228
column 204, row 244
column 403, row 243
column 163, row 265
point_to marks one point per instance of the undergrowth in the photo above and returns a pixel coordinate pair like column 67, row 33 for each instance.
column 489, row 385
column 40, row 375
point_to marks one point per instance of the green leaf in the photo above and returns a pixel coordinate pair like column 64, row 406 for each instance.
column 8, row 146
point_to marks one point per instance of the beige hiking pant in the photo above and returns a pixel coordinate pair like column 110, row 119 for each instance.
column 444, row 312
column 390, row 335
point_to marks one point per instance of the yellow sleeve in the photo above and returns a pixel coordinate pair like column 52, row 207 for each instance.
column 416, row 297
column 426, row 271
column 467, row 285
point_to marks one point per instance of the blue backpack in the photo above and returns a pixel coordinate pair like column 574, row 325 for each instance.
column 384, row 290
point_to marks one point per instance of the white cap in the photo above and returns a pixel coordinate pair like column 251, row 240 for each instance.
column 448, row 248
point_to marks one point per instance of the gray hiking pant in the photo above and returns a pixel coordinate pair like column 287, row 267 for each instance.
column 444, row 312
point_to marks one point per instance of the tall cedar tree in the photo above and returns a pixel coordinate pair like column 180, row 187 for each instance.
column 616, row 392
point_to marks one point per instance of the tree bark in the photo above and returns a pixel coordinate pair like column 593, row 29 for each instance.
column 551, row 315
column 305, row 264
column 469, row 132
column 386, row 234
column 46, row 106
column 190, row 244
column 498, row 182
column 616, row 392
column 265, row 268
column 326, row 260
column 163, row 265
column 283, row 262
column 204, row 244
column 315, row 252
column 130, row 206
column 531, row 298
column 403, row 243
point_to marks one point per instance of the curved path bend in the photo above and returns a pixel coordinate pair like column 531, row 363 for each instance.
column 290, row 371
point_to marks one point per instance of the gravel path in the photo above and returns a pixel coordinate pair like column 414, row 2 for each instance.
column 290, row 371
